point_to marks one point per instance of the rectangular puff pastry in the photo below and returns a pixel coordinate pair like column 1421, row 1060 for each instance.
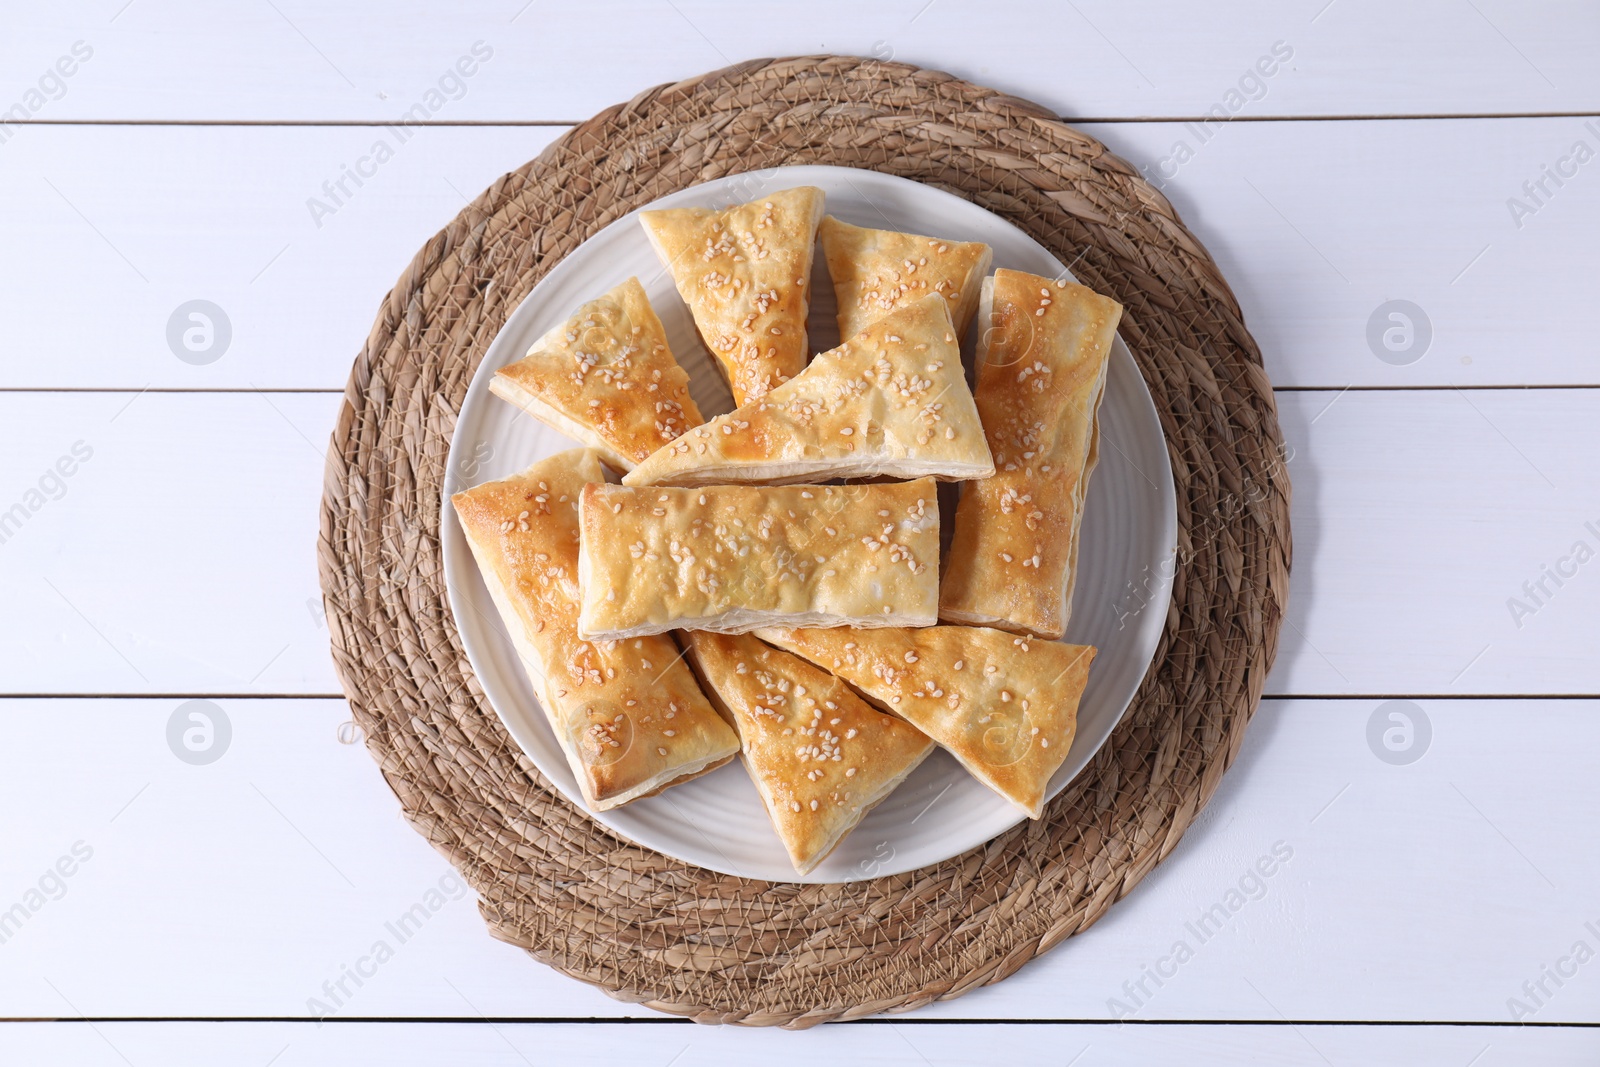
column 605, row 377
column 733, row 557
column 875, row 272
column 820, row 756
column 745, row 273
column 1005, row 706
column 1041, row 372
column 628, row 714
column 890, row 402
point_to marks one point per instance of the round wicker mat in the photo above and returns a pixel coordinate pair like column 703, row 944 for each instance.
column 649, row 929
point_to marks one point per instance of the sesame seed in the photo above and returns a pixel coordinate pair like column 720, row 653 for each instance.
column 661, row 751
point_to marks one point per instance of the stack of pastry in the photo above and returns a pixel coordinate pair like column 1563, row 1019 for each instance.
column 790, row 549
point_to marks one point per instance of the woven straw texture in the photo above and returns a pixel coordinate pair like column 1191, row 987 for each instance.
column 649, row 929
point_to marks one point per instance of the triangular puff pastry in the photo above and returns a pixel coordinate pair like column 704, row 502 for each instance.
column 892, row 401
column 628, row 714
column 605, row 377
column 819, row 755
column 1005, row 706
column 745, row 273
column 731, row 558
column 875, row 272
column 1041, row 373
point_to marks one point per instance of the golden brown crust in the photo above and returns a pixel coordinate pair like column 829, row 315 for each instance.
column 606, row 377
column 875, row 272
column 733, row 557
column 891, row 402
column 628, row 714
column 820, row 756
column 745, row 273
column 1041, row 373
column 1005, row 706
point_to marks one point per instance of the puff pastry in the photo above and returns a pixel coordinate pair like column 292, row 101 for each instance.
column 733, row 557
column 1041, row 373
column 1005, row 706
column 628, row 714
column 819, row 755
column 746, row 275
column 875, row 272
column 605, row 377
column 892, row 401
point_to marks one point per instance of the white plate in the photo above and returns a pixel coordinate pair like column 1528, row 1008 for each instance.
column 1129, row 539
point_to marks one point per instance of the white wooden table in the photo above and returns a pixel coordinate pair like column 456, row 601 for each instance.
column 1447, row 506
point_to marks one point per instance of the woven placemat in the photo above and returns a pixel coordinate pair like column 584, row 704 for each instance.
column 652, row 930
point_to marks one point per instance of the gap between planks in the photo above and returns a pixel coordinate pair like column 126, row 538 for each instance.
column 1460, row 116
column 341, row 696
column 624, row 1020
column 329, row 391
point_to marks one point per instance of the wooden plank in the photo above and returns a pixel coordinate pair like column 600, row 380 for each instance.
column 1315, row 224
column 221, row 215
column 338, row 61
column 892, row 1043
column 241, row 887
column 1426, row 525
column 180, row 557
column 1320, row 227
